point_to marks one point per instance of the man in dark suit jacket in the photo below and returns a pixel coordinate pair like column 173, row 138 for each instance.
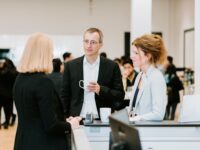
column 105, row 82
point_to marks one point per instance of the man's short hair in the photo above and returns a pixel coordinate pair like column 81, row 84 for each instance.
column 56, row 64
column 170, row 59
column 127, row 61
column 66, row 55
column 92, row 30
column 117, row 60
column 103, row 54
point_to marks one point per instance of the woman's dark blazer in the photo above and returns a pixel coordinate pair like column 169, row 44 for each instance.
column 41, row 124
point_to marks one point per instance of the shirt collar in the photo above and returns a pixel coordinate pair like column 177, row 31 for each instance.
column 94, row 64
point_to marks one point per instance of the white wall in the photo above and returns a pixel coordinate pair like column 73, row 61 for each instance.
column 172, row 17
column 62, row 43
column 68, row 17
column 72, row 17
column 160, row 19
column 183, row 19
column 197, row 47
column 141, row 18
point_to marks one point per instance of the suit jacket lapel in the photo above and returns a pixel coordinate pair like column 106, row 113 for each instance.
column 80, row 75
column 80, row 68
column 145, row 80
column 140, row 91
column 101, row 70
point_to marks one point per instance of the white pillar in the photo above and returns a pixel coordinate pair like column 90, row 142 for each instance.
column 197, row 47
column 141, row 17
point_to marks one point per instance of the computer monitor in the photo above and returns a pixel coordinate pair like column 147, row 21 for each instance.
column 121, row 115
column 124, row 136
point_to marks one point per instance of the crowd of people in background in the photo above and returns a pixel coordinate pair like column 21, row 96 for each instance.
column 132, row 81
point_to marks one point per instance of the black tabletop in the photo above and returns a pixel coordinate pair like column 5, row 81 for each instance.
column 149, row 124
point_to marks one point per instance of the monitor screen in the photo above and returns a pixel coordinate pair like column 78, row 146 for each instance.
column 121, row 115
column 124, row 136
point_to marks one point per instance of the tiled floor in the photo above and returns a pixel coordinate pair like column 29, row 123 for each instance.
column 7, row 137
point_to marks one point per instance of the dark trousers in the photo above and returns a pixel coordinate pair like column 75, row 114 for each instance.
column 170, row 111
column 1, row 105
column 7, row 104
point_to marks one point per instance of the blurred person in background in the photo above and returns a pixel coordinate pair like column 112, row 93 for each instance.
column 119, row 62
column 56, row 75
column 129, row 74
column 174, row 87
column 1, row 100
column 103, row 54
column 8, row 75
column 67, row 56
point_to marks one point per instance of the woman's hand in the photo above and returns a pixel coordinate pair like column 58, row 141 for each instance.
column 74, row 121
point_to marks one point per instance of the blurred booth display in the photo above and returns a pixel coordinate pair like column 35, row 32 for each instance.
column 4, row 52
column 189, row 82
column 188, row 48
column 186, row 75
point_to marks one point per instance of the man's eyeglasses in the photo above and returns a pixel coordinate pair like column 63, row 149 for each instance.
column 92, row 42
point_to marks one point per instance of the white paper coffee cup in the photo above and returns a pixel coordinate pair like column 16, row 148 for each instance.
column 104, row 114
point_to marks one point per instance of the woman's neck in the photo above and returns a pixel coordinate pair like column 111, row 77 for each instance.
column 145, row 67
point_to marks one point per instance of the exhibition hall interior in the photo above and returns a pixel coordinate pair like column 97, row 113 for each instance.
column 99, row 74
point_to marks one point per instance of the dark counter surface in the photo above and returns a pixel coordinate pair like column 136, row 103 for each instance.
column 165, row 123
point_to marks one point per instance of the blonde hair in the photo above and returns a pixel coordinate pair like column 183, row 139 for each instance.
column 92, row 30
column 37, row 55
column 152, row 44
